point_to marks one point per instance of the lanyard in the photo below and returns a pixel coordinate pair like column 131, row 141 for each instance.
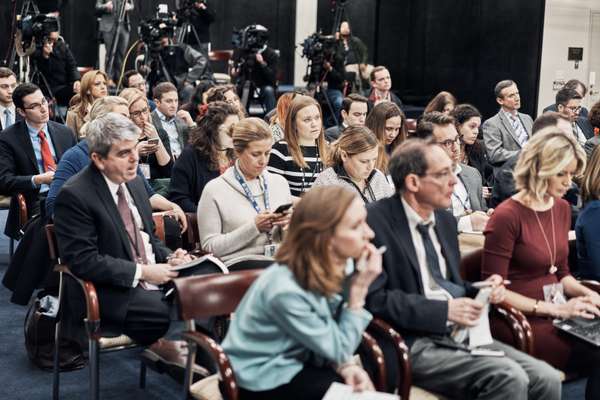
column 248, row 193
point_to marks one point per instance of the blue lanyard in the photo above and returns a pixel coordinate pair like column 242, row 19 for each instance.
column 247, row 191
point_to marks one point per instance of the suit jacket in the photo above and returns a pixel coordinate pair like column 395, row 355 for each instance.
column 17, row 119
column 553, row 107
column 107, row 19
column 333, row 132
column 499, row 138
column 590, row 145
column 397, row 295
column 18, row 164
column 585, row 126
column 182, row 130
column 93, row 242
column 472, row 180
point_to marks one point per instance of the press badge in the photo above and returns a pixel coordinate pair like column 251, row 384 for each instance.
column 145, row 168
column 270, row 250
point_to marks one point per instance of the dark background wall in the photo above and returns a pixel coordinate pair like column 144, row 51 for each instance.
column 464, row 46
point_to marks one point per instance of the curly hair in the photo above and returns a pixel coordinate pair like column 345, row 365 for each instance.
column 205, row 136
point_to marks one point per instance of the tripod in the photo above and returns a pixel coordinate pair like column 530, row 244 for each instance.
column 115, row 40
column 316, row 86
column 39, row 79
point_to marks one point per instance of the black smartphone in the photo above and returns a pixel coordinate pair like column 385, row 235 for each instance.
column 282, row 208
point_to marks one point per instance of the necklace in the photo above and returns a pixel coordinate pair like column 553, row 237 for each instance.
column 314, row 170
column 553, row 267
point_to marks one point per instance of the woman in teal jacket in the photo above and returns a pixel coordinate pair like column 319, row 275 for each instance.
column 293, row 333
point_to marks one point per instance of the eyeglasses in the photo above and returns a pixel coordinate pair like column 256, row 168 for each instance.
column 37, row 106
column 442, row 175
column 574, row 109
column 136, row 114
column 450, row 142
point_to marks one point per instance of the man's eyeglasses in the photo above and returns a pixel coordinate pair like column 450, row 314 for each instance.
column 449, row 142
column 574, row 109
column 37, row 106
column 441, row 176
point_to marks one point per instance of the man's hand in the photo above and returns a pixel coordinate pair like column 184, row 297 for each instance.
column 157, row 274
column 178, row 213
column 356, row 377
column 184, row 115
column 479, row 220
column 45, row 178
column 464, row 311
column 327, row 66
column 260, row 59
column 109, row 6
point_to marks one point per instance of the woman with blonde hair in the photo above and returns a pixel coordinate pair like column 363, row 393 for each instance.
column 388, row 123
column 587, row 229
column 526, row 242
column 285, row 341
column 299, row 157
column 93, row 87
column 351, row 164
column 156, row 160
column 236, row 218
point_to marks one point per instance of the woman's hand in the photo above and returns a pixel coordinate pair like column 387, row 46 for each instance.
column 368, row 269
column 144, row 148
column 264, row 221
column 356, row 377
column 582, row 306
column 498, row 293
column 282, row 219
column 150, row 131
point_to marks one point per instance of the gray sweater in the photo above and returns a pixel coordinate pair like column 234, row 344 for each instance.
column 226, row 217
column 377, row 185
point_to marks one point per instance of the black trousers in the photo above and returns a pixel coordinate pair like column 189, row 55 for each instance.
column 311, row 383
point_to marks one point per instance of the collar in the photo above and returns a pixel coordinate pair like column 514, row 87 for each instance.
column 163, row 117
column 458, row 169
column 11, row 108
column 343, row 174
column 413, row 218
column 112, row 187
column 33, row 132
column 509, row 114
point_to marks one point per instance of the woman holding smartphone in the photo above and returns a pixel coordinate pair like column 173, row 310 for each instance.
column 236, row 220
column 293, row 333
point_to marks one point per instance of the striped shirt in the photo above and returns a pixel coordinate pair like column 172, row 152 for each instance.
column 300, row 179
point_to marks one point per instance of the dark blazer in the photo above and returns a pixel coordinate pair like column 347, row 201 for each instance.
column 182, row 130
column 395, row 99
column 585, row 126
column 397, row 295
column 553, row 107
column 190, row 176
column 333, row 132
column 18, row 164
column 93, row 242
column 156, row 170
column 17, row 119
column 471, row 178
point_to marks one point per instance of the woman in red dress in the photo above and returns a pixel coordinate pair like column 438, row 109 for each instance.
column 526, row 242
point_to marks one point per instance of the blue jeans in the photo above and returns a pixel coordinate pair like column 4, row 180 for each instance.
column 335, row 97
column 267, row 97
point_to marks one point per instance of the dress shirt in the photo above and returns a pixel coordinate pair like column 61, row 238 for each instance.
column 150, row 257
column 37, row 150
column 170, row 127
column 414, row 219
column 517, row 126
column 5, row 122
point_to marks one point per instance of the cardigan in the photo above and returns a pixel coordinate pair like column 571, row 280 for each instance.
column 278, row 326
column 377, row 186
column 226, row 217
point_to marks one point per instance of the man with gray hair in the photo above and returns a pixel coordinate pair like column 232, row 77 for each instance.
column 506, row 132
column 104, row 230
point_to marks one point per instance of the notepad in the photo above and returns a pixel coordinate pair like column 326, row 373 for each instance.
column 200, row 260
column 340, row 391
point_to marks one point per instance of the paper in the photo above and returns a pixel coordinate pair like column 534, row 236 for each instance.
column 199, row 260
column 339, row 391
column 480, row 334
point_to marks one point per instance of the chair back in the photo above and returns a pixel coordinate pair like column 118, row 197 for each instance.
column 205, row 296
column 159, row 226
column 191, row 238
column 52, row 244
column 470, row 266
column 411, row 125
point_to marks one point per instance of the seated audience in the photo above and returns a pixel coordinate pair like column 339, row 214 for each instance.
column 133, row 79
column 421, row 294
column 93, row 86
column 387, row 121
column 526, row 242
column 29, row 152
column 285, row 341
column 197, row 104
column 236, row 217
column 568, row 103
column 155, row 157
column 299, row 157
column 580, row 88
column 351, row 164
column 587, row 228
column 443, row 102
column 354, row 113
column 472, row 151
column 505, row 133
column 594, row 120
column 381, row 87
column 8, row 112
column 277, row 121
column 206, row 157
column 228, row 94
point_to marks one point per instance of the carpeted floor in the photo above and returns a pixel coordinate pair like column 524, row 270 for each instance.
column 119, row 371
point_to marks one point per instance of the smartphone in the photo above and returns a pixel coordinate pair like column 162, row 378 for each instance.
column 153, row 141
column 282, row 208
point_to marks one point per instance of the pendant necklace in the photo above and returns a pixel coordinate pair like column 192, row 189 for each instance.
column 552, row 253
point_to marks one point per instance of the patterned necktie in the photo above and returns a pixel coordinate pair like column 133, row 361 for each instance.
column 519, row 130
column 47, row 158
column 433, row 264
column 8, row 118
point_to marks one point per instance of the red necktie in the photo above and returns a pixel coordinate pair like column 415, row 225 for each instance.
column 47, row 159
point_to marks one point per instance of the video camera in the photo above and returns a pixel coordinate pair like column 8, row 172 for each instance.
column 151, row 31
column 317, row 48
column 33, row 30
column 250, row 39
column 187, row 10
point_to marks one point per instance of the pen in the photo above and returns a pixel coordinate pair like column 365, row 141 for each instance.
column 483, row 284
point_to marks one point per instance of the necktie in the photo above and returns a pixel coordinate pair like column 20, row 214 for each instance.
column 47, row 159
column 8, row 118
column 519, row 130
column 433, row 264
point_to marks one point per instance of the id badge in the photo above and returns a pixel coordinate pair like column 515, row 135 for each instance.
column 554, row 293
column 270, row 250
column 145, row 168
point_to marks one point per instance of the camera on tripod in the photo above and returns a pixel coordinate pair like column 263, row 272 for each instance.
column 33, row 30
column 151, row 32
column 187, row 10
column 251, row 39
column 317, row 48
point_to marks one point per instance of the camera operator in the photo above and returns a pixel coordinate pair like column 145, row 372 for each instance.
column 59, row 68
column 200, row 17
column 112, row 29
column 254, row 60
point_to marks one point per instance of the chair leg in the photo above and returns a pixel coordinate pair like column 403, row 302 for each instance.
column 189, row 370
column 56, row 366
column 94, row 369
column 143, row 370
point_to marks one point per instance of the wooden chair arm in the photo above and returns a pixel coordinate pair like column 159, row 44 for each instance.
column 91, row 300
column 591, row 284
column 159, row 225
column 369, row 347
column 381, row 328
column 519, row 326
column 22, row 210
column 229, row 385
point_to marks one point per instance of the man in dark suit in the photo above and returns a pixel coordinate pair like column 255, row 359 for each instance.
column 381, row 84
column 176, row 123
column 506, row 132
column 580, row 88
column 8, row 83
column 354, row 113
column 568, row 103
column 105, row 234
column 110, row 29
column 29, row 152
column 421, row 293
